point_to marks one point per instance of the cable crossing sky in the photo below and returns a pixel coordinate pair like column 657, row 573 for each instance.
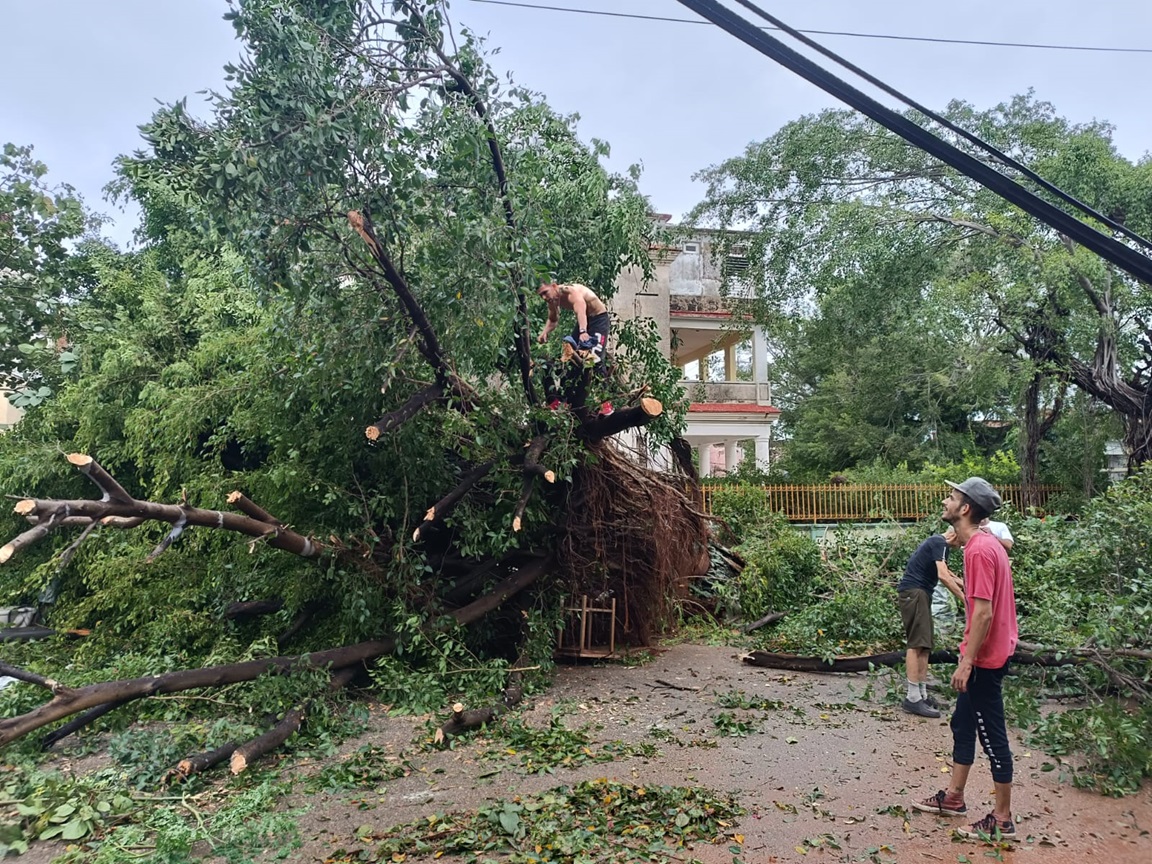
column 1122, row 256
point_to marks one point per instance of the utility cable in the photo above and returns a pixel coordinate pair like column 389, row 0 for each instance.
column 933, row 39
column 1109, row 248
column 996, row 153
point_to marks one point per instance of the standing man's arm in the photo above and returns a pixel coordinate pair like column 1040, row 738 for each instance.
column 550, row 324
column 979, row 626
column 948, row 580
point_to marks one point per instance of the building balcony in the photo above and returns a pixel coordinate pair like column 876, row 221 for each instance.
column 728, row 392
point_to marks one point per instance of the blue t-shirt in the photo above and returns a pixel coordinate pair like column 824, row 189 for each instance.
column 921, row 569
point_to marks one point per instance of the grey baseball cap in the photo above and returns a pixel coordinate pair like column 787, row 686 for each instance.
column 980, row 491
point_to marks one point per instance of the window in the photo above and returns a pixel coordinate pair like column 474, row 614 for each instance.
column 690, row 247
column 736, row 262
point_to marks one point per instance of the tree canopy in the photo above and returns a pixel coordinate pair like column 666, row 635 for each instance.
column 968, row 301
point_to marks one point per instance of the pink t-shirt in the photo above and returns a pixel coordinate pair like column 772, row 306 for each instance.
column 988, row 576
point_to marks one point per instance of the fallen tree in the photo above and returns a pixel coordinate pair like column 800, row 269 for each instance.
column 393, row 276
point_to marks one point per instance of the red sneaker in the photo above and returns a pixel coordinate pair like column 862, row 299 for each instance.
column 554, row 404
column 606, row 409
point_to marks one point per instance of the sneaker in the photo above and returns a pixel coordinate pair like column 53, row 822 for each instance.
column 554, row 405
column 931, row 702
column 919, row 707
column 942, row 805
column 606, row 409
column 989, row 829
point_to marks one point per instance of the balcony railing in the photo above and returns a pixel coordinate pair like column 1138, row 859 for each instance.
column 752, row 392
column 862, row 502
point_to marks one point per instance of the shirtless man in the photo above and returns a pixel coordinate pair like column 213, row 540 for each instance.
column 592, row 325
column 592, row 318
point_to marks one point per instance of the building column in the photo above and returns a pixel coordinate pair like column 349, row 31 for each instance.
column 759, row 358
column 730, row 363
column 732, row 454
column 762, row 453
column 704, row 457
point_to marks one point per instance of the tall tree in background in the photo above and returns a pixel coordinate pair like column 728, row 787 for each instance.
column 39, row 276
column 826, row 194
column 333, row 316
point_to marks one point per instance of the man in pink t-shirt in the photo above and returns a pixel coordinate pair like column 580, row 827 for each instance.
column 990, row 636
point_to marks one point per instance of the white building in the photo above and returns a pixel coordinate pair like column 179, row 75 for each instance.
column 723, row 356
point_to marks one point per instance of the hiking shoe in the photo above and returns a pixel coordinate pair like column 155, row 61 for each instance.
column 989, row 829
column 942, row 805
column 920, row 707
column 931, row 702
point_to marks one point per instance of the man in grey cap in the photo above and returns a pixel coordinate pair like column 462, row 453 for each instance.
column 990, row 637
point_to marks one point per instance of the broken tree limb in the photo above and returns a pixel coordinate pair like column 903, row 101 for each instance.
column 417, row 401
column 632, row 417
column 91, row 469
column 93, row 695
column 429, row 344
column 462, row 720
column 78, row 723
column 249, row 508
column 289, row 725
column 243, row 755
column 27, row 677
column 201, row 762
column 522, row 504
column 444, row 506
column 67, row 555
column 49, row 513
column 464, row 86
column 797, row 663
column 532, row 459
column 33, row 535
column 169, row 538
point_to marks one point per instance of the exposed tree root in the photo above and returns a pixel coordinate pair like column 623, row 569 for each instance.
column 633, row 534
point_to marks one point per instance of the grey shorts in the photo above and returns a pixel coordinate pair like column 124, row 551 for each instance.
column 916, row 613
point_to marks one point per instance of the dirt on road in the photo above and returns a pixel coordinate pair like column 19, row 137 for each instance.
column 828, row 772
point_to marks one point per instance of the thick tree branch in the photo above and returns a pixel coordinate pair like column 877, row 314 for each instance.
column 444, row 506
column 599, row 428
column 401, row 415
column 93, row 695
column 48, row 513
column 242, row 503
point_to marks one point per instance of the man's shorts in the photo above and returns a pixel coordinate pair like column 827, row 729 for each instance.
column 916, row 613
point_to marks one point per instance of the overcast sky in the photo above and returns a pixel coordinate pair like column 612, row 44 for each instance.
column 81, row 75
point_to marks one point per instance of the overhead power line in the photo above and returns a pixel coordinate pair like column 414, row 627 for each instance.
column 1124, row 257
column 997, row 154
column 891, row 36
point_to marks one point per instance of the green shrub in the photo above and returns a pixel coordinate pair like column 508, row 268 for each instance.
column 780, row 574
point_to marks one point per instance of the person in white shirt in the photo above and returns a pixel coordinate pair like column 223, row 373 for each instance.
column 1000, row 531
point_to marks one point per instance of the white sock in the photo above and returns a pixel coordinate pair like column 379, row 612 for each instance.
column 914, row 692
column 923, row 690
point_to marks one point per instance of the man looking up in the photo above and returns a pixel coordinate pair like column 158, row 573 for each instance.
column 927, row 566
column 990, row 637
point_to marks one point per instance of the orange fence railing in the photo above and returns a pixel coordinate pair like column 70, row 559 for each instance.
column 861, row 502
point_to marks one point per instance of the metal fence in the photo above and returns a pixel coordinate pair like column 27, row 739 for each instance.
column 861, row 502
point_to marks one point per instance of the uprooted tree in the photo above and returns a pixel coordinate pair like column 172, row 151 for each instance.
column 326, row 349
